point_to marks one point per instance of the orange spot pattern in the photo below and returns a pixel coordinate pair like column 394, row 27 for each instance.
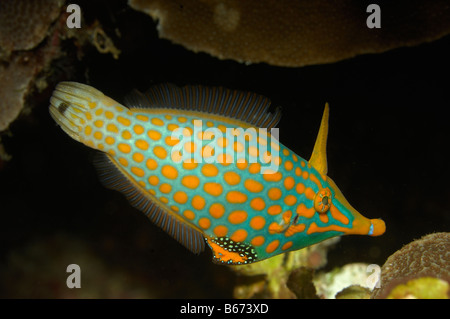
column 245, row 202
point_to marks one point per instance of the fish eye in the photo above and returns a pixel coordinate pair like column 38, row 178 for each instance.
column 322, row 200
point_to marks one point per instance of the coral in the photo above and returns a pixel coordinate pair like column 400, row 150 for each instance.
column 15, row 82
column 267, row 278
column 300, row 282
column 294, row 33
column 103, row 43
column 30, row 38
column 421, row 288
column 281, row 276
column 425, row 257
column 329, row 284
column 96, row 36
column 23, row 26
column 354, row 292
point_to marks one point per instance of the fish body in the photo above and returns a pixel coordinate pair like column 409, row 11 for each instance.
column 197, row 162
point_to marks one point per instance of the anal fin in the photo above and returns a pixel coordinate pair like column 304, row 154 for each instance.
column 112, row 177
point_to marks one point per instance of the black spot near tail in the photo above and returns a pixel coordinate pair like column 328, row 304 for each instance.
column 62, row 107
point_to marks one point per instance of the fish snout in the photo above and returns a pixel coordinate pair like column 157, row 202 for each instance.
column 377, row 228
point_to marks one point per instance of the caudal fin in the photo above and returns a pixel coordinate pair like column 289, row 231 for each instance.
column 68, row 106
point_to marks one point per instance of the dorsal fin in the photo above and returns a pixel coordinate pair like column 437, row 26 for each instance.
column 113, row 178
column 319, row 155
column 247, row 107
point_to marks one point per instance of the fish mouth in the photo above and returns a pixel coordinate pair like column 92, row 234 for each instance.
column 377, row 227
column 360, row 225
column 364, row 226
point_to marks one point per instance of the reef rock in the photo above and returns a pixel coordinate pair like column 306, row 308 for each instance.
column 426, row 257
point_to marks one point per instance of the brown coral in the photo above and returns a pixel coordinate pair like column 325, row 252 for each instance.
column 426, row 257
column 30, row 38
column 15, row 82
column 24, row 23
column 294, row 33
column 23, row 26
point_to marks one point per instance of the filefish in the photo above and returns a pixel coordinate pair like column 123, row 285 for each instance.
column 205, row 165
